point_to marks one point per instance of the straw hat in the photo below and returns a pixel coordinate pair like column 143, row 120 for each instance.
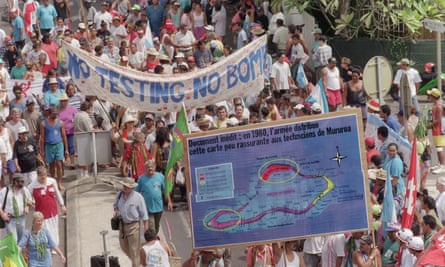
column 128, row 182
column 152, row 52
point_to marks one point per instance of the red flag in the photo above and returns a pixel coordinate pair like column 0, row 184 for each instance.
column 435, row 255
column 29, row 10
column 409, row 206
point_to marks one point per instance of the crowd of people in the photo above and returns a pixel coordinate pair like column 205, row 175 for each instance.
column 174, row 37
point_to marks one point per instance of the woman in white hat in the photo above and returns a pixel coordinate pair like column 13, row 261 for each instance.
column 126, row 138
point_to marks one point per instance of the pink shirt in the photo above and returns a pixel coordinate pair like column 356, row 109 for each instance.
column 67, row 116
column 51, row 50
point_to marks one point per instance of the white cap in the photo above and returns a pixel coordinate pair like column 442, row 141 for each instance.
column 299, row 106
column 180, row 55
column 22, row 129
column 232, row 121
column 416, row 243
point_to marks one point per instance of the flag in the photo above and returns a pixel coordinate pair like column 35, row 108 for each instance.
column 301, row 76
column 176, row 149
column 148, row 38
column 435, row 255
column 29, row 16
column 389, row 210
column 9, row 253
column 319, row 96
column 409, row 206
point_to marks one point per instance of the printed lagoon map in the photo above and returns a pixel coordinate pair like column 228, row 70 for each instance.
column 278, row 182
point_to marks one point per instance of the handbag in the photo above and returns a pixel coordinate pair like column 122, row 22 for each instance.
column 2, row 222
column 362, row 99
column 116, row 219
column 116, row 222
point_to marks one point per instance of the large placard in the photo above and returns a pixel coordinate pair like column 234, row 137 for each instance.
column 273, row 181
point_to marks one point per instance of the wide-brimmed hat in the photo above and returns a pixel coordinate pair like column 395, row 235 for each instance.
column 405, row 61
column 63, row 97
column 257, row 31
column 381, row 174
column 128, row 182
column 52, row 81
column 373, row 104
column 434, row 92
column 152, row 52
column 164, row 58
column 128, row 119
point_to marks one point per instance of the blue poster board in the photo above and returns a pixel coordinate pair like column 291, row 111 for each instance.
column 273, row 181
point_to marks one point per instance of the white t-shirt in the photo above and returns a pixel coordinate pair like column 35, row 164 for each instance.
column 220, row 21
column 184, row 39
column 333, row 247
column 413, row 78
column 281, row 73
column 118, row 30
column 136, row 59
column 440, row 206
column 313, row 245
column 105, row 16
column 273, row 22
column 2, row 37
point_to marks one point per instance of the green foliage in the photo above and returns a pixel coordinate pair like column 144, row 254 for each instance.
column 388, row 19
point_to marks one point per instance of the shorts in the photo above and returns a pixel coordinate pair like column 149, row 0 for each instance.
column 70, row 138
column 334, row 97
column 54, row 152
column 277, row 95
column 10, row 164
column 439, row 140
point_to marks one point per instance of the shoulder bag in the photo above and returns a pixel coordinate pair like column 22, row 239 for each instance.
column 2, row 222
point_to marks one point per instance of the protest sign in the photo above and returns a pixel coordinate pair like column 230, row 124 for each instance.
column 281, row 180
column 240, row 74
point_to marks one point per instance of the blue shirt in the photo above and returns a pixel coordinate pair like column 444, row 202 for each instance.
column 131, row 209
column 393, row 123
column 394, row 166
column 53, row 134
column 151, row 188
column 156, row 17
column 17, row 25
column 43, row 236
column 46, row 15
column 52, row 98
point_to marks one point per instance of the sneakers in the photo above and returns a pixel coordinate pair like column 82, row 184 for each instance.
column 439, row 170
column 435, row 167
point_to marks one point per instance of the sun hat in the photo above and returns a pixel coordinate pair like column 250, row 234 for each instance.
column 404, row 61
column 152, row 52
column 129, row 119
column 63, row 97
column 373, row 104
column 82, row 26
column 52, row 81
column 434, row 92
column 381, row 174
column 209, row 28
column 257, row 31
column 128, row 182
column 179, row 55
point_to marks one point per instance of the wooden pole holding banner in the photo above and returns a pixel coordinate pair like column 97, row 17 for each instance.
column 84, row 18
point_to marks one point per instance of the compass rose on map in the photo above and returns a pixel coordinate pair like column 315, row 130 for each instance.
column 338, row 157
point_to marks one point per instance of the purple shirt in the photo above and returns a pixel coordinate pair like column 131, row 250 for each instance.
column 67, row 116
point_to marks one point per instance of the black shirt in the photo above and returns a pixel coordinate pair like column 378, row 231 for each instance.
column 26, row 153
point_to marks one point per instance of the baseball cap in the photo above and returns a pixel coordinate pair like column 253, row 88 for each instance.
column 369, row 141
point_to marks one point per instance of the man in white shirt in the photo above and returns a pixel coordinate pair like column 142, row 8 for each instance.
column 312, row 249
column 118, row 31
column 185, row 39
column 103, row 15
column 440, row 200
column 281, row 78
column 135, row 58
column 333, row 251
column 332, row 84
column 414, row 81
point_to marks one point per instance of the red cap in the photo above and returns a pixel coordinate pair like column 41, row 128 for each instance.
column 190, row 59
column 369, row 141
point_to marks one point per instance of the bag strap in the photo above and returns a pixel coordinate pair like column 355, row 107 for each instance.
column 4, row 200
column 119, row 197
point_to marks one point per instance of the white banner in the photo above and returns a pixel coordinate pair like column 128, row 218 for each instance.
column 240, row 74
column 30, row 88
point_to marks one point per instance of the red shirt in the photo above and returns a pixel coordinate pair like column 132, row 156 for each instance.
column 371, row 153
column 45, row 197
column 136, row 156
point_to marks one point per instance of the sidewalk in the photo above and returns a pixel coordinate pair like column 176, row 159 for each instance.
column 90, row 210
